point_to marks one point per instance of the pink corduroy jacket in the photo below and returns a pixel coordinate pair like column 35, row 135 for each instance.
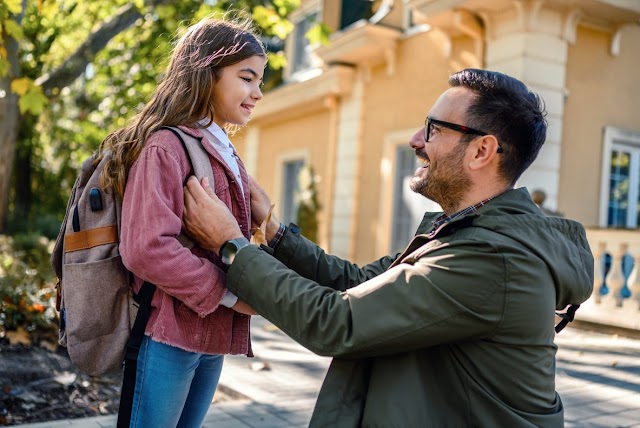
column 190, row 284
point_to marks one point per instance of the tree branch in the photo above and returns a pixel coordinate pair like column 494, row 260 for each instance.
column 76, row 64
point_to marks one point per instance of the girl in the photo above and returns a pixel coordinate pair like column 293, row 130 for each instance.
column 213, row 81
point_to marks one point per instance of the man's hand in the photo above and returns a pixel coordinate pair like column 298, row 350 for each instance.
column 260, row 205
column 206, row 218
column 243, row 308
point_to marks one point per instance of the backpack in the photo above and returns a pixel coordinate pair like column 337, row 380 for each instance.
column 96, row 304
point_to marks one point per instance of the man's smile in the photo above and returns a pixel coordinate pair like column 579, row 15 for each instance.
column 422, row 158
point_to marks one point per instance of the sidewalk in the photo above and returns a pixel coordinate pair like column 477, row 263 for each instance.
column 598, row 380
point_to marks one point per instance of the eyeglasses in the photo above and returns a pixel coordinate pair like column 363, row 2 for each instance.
column 428, row 128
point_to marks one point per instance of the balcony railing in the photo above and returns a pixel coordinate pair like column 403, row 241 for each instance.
column 616, row 290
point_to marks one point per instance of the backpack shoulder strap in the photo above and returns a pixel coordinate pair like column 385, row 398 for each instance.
column 130, row 362
column 200, row 164
column 566, row 316
column 197, row 155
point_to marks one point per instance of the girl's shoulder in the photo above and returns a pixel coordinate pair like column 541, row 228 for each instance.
column 167, row 138
column 164, row 148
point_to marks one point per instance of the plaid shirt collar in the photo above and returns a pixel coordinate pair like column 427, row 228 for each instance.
column 443, row 218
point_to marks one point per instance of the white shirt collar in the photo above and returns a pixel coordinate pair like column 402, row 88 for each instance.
column 218, row 132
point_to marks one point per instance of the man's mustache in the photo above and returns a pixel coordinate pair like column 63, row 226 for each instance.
column 421, row 154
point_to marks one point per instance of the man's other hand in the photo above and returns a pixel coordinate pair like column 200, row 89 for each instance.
column 206, row 218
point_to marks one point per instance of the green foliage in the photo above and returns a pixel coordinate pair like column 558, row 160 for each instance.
column 268, row 19
column 13, row 29
column 60, row 129
column 308, row 203
column 32, row 101
column 318, row 34
column 277, row 60
column 13, row 6
column 27, row 291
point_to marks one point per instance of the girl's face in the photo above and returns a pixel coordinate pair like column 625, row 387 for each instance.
column 237, row 91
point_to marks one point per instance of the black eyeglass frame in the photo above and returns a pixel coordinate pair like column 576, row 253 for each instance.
column 429, row 121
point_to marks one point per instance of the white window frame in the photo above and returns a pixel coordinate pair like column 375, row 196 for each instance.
column 617, row 139
column 296, row 17
column 388, row 170
column 289, row 156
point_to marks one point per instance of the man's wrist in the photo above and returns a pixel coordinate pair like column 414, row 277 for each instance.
column 273, row 227
column 231, row 248
column 277, row 236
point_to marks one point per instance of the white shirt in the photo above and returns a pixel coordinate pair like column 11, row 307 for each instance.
column 219, row 140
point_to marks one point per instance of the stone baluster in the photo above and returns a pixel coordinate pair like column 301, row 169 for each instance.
column 615, row 277
column 598, row 273
column 635, row 289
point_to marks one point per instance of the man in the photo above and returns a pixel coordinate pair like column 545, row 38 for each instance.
column 457, row 330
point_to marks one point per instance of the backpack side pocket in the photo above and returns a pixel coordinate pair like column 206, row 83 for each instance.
column 97, row 313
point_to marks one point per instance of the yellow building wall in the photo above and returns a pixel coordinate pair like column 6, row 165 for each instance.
column 395, row 103
column 603, row 90
column 238, row 140
column 305, row 136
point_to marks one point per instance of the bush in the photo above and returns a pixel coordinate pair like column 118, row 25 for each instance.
column 308, row 203
column 27, row 290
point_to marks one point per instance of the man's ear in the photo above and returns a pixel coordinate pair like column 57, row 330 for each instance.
column 484, row 150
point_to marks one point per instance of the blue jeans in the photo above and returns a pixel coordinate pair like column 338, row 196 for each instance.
column 174, row 387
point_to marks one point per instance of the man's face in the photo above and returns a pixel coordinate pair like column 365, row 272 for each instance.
column 442, row 177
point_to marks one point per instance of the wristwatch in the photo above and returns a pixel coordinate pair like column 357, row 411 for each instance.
column 230, row 248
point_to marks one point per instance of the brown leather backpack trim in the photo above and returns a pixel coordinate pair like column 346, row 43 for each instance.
column 90, row 238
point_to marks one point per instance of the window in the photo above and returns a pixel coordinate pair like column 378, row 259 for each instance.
column 355, row 10
column 408, row 207
column 291, row 172
column 620, row 197
column 301, row 54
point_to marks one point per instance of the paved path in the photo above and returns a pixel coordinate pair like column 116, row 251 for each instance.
column 598, row 379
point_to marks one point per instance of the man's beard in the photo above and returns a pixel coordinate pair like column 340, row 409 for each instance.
column 446, row 181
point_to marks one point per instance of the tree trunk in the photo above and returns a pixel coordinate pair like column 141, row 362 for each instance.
column 22, row 173
column 9, row 125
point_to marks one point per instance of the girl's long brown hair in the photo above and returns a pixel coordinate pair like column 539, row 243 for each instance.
column 183, row 96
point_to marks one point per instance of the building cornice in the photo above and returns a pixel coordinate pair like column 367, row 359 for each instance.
column 609, row 16
column 362, row 44
column 299, row 98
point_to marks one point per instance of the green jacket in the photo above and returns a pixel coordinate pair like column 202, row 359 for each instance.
column 456, row 331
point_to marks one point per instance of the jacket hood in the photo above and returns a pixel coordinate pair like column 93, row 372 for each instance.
column 561, row 243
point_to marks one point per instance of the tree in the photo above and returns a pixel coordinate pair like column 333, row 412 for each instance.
column 65, row 83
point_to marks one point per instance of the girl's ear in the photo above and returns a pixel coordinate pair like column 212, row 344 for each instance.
column 484, row 150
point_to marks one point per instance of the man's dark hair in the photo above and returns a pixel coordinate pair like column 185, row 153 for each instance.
column 504, row 107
